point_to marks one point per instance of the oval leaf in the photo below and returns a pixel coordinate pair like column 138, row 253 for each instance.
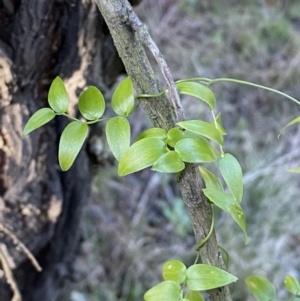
column 91, row 103
column 38, row 119
column 196, row 150
column 201, row 277
column 153, row 132
column 58, row 97
column 232, row 173
column 71, row 141
column 292, row 285
column 193, row 296
column 168, row 163
column 202, row 128
column 164, row 291
column 261, row 288
column 176, row 134
column 122, row 101
column 294, row 121
column 227, row 203
column 118, row 135
column 199, row 91
column 210, row 180
column 140, row 155
column 174, row 270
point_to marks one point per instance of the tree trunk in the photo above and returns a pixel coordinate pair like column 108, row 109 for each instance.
column 38, row 203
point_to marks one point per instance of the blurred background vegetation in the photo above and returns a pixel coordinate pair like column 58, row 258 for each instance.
column 132, row 225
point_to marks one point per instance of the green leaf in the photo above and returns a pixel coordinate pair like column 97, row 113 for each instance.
column 122, row 101
column 91, row 103
column 164, row 291
column 201, row 277
column 202, row 128
column 228, row 203
column 168, row 163
column 220, row 127
column 292, row 285
column 176, row 134
column 261, row 288
column 211, row 181
column 174, row 270
column 153, row 132
column 38, row 119
column 140, row 155
column 70, row 143
column 232, row 173
column 197, row 90
column 118, row 135
column 58, row 97
column 294, row 121
column 294, row 170
column 193, row 296
column 196, row 150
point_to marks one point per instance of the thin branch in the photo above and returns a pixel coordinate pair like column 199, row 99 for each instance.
column 9, row 275
column 145, row 37
column 25, row 250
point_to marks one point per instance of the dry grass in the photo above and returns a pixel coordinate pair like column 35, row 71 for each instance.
column 132, row 225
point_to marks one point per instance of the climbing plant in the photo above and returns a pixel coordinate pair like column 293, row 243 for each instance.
column 189, row 141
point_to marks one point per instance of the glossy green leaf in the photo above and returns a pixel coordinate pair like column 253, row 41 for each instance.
column 140, row 155
column 210, row 180
column 220, row 127
column 118, row 135
column 294, row 121
column 71, row 141
column 184, row 299
column 292, row 285
column 168, row 163
column 174, row 270
column 153, row 132
column 198, row 90
column 38, row 119
column 232, row 173
column 176, row 134
column 164, row 291
column 193, row 296
column 202, row 128
column 201, row 277
column 261, row 288
column 58, row 98
column 294, row 170
column 122, row 101
column 228, row 203
column 91, row 103
column 196, row 150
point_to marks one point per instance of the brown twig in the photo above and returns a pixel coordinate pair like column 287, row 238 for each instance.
column 145, row 37
column 17, row 242
column 9, row 275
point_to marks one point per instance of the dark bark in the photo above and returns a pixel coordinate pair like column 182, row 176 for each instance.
column 123, row 26
column 40, row 204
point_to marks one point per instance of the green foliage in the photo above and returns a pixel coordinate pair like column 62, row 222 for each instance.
column 71, row 141
column 91, row 103
column 261, row 288
column 190, row 141
column 122, row 100
column 58, row 97
column 38, row 119
column 118, row 135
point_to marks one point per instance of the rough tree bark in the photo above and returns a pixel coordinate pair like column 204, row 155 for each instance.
column 38, row 203
column 125, row 29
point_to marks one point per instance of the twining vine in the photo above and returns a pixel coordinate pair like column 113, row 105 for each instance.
column 190, row 141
